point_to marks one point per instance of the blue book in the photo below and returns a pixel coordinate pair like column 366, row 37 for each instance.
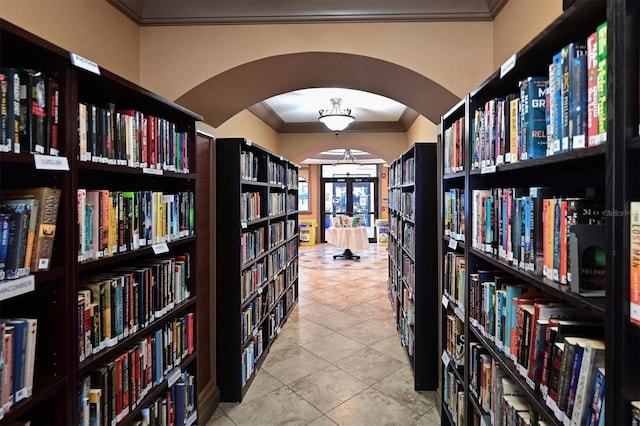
column 510, row 316
column 179, row 391
column 5, row 225
column 578, row 104
column 533, row 117
column 569, row 54
column 555, row 95
column 596, row 413
column 19, row 357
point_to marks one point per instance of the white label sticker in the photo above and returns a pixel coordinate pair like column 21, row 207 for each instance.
column 50, row 162
column 453, row 244
column 508, row 65
column 85, row 64
column 160, row 248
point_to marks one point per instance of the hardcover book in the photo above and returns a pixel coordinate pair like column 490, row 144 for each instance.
column 634, row 267
column 10, row 92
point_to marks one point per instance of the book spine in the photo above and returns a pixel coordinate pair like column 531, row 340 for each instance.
column 578, row 104
column 534, row 126
column 634, row 257
column 592, row 89
column 602, row 82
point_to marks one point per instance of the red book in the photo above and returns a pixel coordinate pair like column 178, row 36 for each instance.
column 190, row 335
column 7, row 376
column 118, row 393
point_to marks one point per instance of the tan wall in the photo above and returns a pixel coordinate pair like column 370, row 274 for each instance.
column 431, row 49
column 422, row 130
column 91, row 28
column 297, row 147
column 519, row 22
column 246, row 125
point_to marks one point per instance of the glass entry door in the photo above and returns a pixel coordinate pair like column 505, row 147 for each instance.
column 355, row 197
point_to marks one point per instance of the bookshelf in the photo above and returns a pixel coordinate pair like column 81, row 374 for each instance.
column 412, row 283
column 257, row 241
column 154, row 276
column 483, row 266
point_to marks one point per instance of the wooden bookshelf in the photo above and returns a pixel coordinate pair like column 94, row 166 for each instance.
column 257, row 242
column 412, row 283
column 609, row 172
column 60, row 368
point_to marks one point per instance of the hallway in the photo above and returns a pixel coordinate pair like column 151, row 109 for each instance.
column 338, row 359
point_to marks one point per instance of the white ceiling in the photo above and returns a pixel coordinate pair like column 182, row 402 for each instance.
column 303, row 106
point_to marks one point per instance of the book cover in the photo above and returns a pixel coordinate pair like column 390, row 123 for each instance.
column 5, row 228
column 52, row 113
column 596, row 412
column 592, row 89
column 20, row 337
column 602, row 82
column 30, row 354
column 49, row 199
column 634, row 258
column 32, row 115
column 575, row 373
column 10, row 84
column 18, row 235
column 592, row 360
column 578, row 103
column 8, row 357
column 95, row 407
column 32, row 205
column 533, row 117
column 569, row 54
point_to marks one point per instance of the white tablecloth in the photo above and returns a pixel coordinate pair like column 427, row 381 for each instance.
column 351, row 238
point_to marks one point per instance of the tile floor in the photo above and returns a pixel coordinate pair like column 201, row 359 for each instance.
column 338, row 359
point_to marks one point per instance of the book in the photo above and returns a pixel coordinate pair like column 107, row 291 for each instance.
column 10, row 89
column 578, row 103
column 52, row 113
column 596, row 412
column 592, row 90
column 32, row 111
column 569, row 54
column 32, row 206
column 602, row 82
column 18, row 237
column 95, row 407
column 592, row 359
column 49, row 201
column 588, row 259
column 20, row 337
column 533, row 117
column 30, row 355
column 634, row 258
column 8, row 356
column 5, row 229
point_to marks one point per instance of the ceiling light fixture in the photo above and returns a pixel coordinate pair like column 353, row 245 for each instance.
column 336, row 118
column 347, row 160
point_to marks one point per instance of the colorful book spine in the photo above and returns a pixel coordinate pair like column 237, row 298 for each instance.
column 533, row 117
column 602, row 82
column 634, row 267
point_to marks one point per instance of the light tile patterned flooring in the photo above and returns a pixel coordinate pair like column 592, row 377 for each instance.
column 338, row 359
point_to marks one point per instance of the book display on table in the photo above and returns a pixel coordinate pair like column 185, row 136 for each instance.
column 98, row 237
column 257, row 241
column 531, row 219
column 412, row 284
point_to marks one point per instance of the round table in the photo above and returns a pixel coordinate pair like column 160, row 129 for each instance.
column 349, row 239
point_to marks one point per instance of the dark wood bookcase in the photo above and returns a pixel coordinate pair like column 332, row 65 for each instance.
column 413, row 280
column 53, row 299
column 610, row 171
column 257, row 255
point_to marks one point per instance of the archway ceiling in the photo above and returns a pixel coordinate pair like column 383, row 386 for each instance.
column 190, row 12
column 248, row 85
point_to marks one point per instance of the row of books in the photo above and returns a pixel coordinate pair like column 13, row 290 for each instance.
column 130, row 138
column 292, row 178
column 453, row 397
column 520, row 228
column 550, row 114
column 115, row 305
column 110, row 393
column 408, row 237
column 28, row 219
column 277, row 203
column 403, row 202
column 177, row 406
column 277, row 173
column 455, row 339
column 111, row 222
column 454, row 220
column 252, row 279
column 252, row 244
column 455, row 272
column 634, row 262
column 252, row 315
column 29, row 112
column 17, row 363
column 249, row 165
column 250, row 206
column 539, row 334
column 252, row 352
column 395, row 175
column 454, row 147
column 505, row 400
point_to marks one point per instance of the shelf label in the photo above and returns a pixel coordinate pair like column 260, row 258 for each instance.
column 459, row 313
column 487, row 169
column 151, row 171
column 453, row 244
column 249, row 143
column 84, row 63
column 508, row 65
column 243, row 225
column 13, row 288
column 50, row 162
column 173, row 376
column 445, row 301
column 160, row 248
